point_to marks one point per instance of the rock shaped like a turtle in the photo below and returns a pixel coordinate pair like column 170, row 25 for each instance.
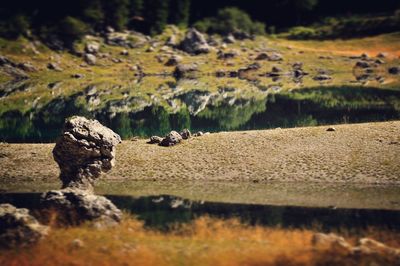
column 18, row 228
column 84, row 150
column 76, row 206
column 195, row 43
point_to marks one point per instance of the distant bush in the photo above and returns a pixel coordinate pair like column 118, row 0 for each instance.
column 229, row 20
column 16, row 26
column 72, row 28
column 348, row 27
column 301, row 33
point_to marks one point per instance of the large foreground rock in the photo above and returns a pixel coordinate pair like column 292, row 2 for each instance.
column 18, row 228
column 84, row 150
column 75, row 206
column 195, row 43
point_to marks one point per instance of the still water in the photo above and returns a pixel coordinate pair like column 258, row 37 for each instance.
column 163, row 211
column 154, row 108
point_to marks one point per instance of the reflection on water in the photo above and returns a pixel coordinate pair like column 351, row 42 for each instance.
column 145, row 111
column 163, row 211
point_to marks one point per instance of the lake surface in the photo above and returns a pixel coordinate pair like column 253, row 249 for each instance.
column 163, row 211
column 35, row 112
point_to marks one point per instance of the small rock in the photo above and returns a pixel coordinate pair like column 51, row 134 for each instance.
column 269, row 57
column 229, row 39
column 77, row 76
column 331, row 129
column 171, row 139
column 322, row 77
column 155, row 140
column 363, row 64
column 90, row 59
column 394, row 70
column 194, row 42
column 124, row 53
column 198, row 134
column 185, row 70
column 174, row 60
column 27, row 67
column 185, row 134
column 92, row 48
column 77, row 243
column 54, row 66
column 381, row 55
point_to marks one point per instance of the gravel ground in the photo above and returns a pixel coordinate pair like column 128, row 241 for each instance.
column 358, row 153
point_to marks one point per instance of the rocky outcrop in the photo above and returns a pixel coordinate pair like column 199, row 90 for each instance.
column 194, row 43
column 84, row 150
column 76, row 206
column 18, row 228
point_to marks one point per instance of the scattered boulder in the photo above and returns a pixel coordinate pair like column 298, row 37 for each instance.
column 172, row 41
column 75, row 206
column 331, row 129
column 27, row 67
column 381, row 55
column 92, row 48
column 273, row 56
column 124, row 52
column 275, row 72
column 220, row 73
column 185, row 70
column 185, row 134
column 244, row 71
column 229, row 39
column 198, row 134
column 322, row 77
column 241, row 35
column 54, row 66
column 174, row 60
column 363, row 64
column 171, row 139
column 83, row 151
column 155, row 140
column 394, row 70
column 77, row 76
column 227, row 55
column 90, row 59
column 18, row 228
column 194, row 42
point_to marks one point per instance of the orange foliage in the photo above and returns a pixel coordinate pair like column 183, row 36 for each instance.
column 205, row 241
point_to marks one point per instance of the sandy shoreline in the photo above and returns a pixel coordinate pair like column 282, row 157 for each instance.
column 359, row 153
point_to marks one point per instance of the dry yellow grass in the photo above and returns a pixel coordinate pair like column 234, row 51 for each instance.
column 206, row 241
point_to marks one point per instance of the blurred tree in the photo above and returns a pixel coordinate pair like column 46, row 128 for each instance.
column 180, row 12
column 93, row 13
column 72, row 28
column 228, row 20
column 156, row 15
column 117, row 13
